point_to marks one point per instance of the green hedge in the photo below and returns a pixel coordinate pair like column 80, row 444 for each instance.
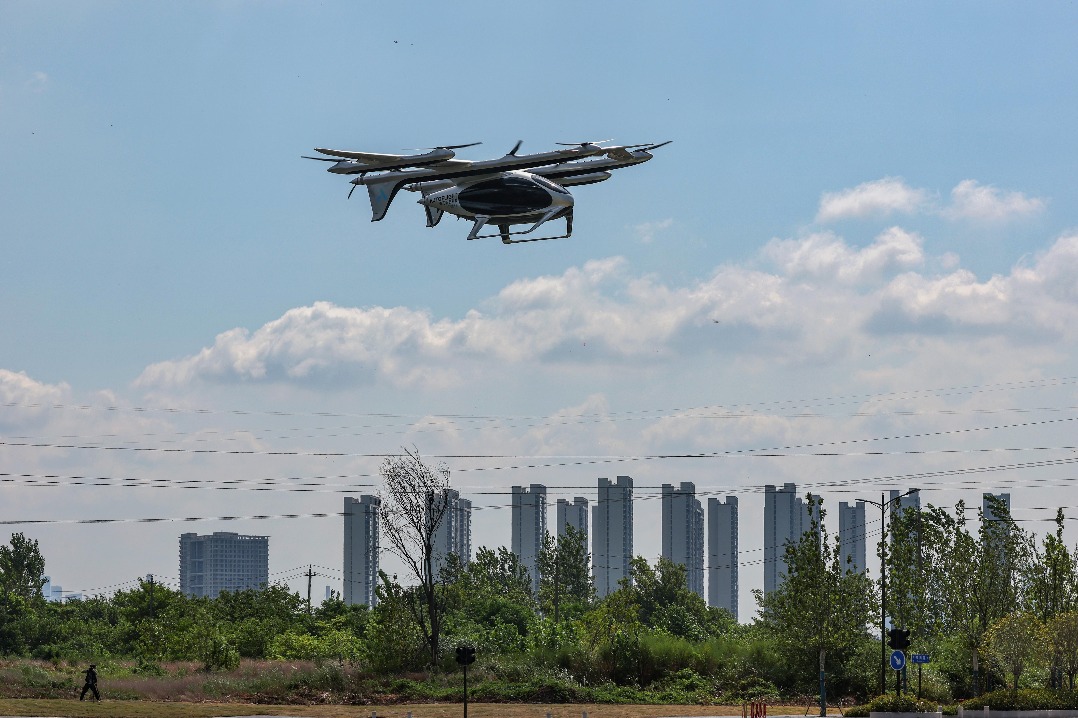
column 1026, row 699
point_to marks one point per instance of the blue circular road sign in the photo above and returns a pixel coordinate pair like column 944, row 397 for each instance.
column 898, row 660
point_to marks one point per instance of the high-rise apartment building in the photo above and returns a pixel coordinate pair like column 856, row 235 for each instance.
column 453, row 534
column 573, row 513
column 222, row 561
column 786, row 519
column 683, row 532
column 722, row 554
column 361, row 549
column 612, row 534
column 529, row 528
column 989, row 511
column 911, row 500
column 996, row 508
column 851, row 536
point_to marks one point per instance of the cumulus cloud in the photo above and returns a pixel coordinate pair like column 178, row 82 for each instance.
column 24, row 401
column 985, row 203
column 1038, row 299
column 648, row 231
column 827, row 256
column 879, row 198
column 38, row 81
column 820, row 297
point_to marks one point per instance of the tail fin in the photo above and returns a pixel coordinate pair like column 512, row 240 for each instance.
column 382, row 191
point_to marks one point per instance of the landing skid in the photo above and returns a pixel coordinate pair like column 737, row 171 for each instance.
column 505, row 234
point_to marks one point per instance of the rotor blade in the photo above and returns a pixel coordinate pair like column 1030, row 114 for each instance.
column 513, row 152
column 322, row 159
column 580, row 144
column 655, row 147
column 443, row 147
column 352, row 190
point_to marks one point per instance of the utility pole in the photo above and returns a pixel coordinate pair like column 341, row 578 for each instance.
column 557, row 581
column 883, row 505
column 883, row 595
column 149, row 579
column 310, row 575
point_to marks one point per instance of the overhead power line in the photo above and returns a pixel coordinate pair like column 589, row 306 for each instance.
column 839, row 399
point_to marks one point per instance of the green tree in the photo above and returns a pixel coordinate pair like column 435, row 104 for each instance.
column 822, row 607
column 393, row 640
column 982, row 575
column 1050, row 582
column 665, row 601
column 612, row 632
column 493, row 572
column 1061, row 637
column 22, row 569
column 565, row 583
column 917, row 544
column 1013, row 641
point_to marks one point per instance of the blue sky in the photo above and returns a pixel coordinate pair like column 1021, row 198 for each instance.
column 859, row 199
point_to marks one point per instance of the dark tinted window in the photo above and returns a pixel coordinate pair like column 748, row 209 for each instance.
column 503, row 196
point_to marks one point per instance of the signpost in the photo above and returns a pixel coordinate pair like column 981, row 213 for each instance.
column 920, row 659
column 898, row 660
column 465, row 657
column 898, row 663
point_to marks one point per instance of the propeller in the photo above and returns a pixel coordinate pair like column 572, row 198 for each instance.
column 623, row 152
column 443, row 147
column 580, row 144
column 513, row 152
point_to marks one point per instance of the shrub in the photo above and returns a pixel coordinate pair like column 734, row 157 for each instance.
column 1024, row 700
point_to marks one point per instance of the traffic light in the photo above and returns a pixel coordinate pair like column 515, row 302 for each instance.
column 465, row 655
column 898, row 638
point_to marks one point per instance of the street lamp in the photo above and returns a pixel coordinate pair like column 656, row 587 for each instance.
column 883, row 506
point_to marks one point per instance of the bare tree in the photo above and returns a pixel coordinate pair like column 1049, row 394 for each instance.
column 417, row 500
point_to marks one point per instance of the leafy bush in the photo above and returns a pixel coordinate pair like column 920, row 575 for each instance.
column 148, row 668
column 1024, row 700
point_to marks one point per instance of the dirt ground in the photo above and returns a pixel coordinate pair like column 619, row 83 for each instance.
column 153, row 709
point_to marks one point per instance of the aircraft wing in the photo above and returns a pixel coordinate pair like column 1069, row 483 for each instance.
column 383, row 188
column 367, row 157
column 352, row 162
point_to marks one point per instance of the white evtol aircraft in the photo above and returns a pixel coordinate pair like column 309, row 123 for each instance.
column 512, row 190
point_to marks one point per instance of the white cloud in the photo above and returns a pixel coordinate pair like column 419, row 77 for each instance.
column 38, row 81
column 878, row 198
column 1041, row 299
column 822, row 299
column 826, row 256
column 25, row 402
column 648, row 231
column 985, row 203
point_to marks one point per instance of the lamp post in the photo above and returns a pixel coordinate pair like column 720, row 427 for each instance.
column 883, row 505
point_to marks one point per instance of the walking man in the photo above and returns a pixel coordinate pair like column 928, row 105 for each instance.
column 91, row 683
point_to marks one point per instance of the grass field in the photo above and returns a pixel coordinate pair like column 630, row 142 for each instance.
column 154, row 709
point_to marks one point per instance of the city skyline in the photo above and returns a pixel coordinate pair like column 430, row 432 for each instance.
column 686, row 534
column 720, row 533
